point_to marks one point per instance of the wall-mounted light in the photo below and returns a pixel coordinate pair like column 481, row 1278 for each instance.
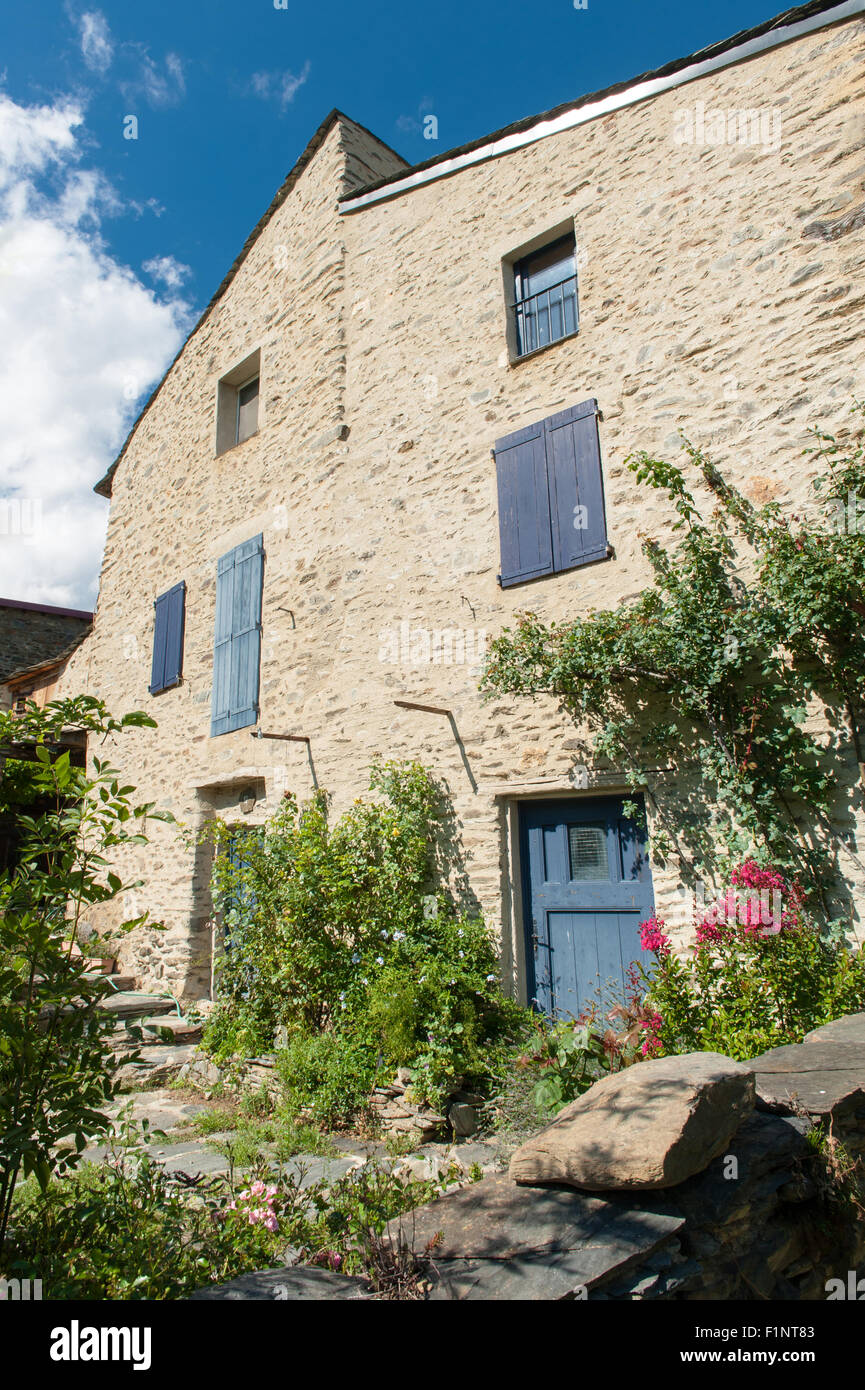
column 247, row 800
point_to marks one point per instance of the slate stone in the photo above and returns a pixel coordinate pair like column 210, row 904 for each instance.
column 823, row 1094
column 495, row 1240
column 848, row 1029
column 817, row 1055
column 649, row 1126
column 298, row 1284
column 825, row 1075
column 195, row 1162
column 319, row 1170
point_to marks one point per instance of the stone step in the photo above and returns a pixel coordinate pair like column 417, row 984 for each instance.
column 128, row 1005
column 167, row 1027
column 121, row 983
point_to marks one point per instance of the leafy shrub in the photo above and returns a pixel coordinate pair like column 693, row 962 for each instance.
column 761, row 974
column 437, row 1006
column 304, row 901
column 327, row 1075
column 333, row 935
column 56, row 1061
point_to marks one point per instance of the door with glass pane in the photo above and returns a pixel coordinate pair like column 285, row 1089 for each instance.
column 587, row 887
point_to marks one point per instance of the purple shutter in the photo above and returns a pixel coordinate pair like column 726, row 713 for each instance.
column 524, row 506
column 168, row 628
column 579, row 526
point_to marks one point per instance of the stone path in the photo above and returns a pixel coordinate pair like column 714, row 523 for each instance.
column 178, row 1153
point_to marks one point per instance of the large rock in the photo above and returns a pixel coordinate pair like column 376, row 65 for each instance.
column 297, row 1285
column 494, row 1241
column 823, row 1077
column 650, row 1126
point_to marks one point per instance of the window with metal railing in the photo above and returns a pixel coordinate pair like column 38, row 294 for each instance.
column 545, row 296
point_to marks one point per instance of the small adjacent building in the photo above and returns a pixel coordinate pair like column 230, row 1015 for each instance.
column 36, row 642
column 375, row 446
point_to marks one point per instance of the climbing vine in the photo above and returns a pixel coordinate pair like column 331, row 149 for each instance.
column 753, row 622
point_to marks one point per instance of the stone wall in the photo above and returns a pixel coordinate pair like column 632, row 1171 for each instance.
column 720, row 291
column 31, row 633
column 772, row 1216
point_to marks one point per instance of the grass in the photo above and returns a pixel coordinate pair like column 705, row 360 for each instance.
column 277, row 1136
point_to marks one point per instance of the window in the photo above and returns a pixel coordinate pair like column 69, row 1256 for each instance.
column 247, row 410
column 237, row 404
column 169, row 618
column 587, row 847
column 551, row 496
column 545, row 295
column 237, row 637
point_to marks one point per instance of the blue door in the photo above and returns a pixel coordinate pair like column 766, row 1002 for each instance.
column 588, row 886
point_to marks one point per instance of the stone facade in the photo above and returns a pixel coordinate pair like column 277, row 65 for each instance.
column 720, row 291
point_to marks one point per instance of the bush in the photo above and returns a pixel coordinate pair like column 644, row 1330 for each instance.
column 57, row 1069
column 329, row 1076
column 333, row 935
column 761, row 974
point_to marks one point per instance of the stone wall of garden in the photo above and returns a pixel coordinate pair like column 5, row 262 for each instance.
column 691, row 1177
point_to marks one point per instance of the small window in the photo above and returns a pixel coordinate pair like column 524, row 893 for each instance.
column 247, row 410
column 545, row 296
column 587, row 844
column 237, row 404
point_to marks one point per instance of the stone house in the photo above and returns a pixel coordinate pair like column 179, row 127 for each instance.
column 371, row 451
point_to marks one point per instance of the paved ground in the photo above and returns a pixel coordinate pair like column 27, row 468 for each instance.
column 169, row 1116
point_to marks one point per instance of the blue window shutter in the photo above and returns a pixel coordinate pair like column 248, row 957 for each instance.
column 579, row 526
column 524, row 506
column 168, row 625
column 237, row 637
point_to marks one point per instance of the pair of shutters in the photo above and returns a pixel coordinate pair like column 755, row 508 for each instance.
column 237, row 637
column 551, row 495
column 168, row 624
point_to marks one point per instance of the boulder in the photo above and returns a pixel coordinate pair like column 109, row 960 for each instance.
column 300, row 1284
column 651, row 1125
column 823, row 1077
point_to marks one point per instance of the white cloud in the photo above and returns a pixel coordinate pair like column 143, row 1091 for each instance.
column 280, row 86
column 96, row 46
column 167, row 270
column 81, row 339
column 163, row 85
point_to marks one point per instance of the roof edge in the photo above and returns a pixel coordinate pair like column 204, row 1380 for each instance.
column 334, row 117
column 747, row 43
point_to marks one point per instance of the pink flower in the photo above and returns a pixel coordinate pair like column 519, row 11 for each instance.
column 652, row 1044
column 258, row 1189
column 271, row 1222
column 652, row 938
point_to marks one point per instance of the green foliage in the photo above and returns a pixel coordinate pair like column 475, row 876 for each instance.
column 437, row 1006
column 305, row 902
column 56, row 1064
column 126, row 1230
column 334, row 937
column 716, row 661
column 327, row 1075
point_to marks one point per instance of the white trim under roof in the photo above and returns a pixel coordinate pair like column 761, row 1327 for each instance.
column 763, row 43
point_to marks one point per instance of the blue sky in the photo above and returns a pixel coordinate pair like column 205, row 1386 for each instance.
column 225, row 95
